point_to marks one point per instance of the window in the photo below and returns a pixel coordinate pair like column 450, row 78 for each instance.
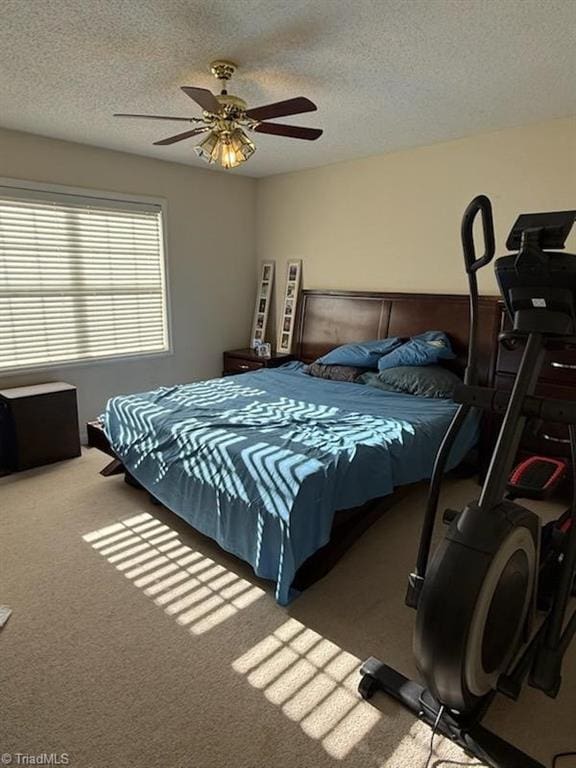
column 81, row 278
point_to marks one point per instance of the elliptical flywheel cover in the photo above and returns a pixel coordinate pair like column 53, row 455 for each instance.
column 475, row 603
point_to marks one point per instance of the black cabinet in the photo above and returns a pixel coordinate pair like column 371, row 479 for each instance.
column 38, row 425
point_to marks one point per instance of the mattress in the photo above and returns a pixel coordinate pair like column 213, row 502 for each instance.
column 260, row 462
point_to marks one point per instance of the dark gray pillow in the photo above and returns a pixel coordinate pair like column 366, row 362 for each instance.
column 335, row 372
column 425, row 380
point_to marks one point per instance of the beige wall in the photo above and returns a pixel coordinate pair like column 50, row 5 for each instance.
column 391, row 222
column 210, row 229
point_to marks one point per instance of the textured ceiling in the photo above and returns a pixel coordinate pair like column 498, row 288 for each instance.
column 385, row 74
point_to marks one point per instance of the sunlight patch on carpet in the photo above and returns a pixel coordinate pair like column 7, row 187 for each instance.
column 314, row 683
column 192, row 588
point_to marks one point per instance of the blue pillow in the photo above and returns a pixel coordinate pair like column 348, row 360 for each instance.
column 365, row 354
column 425, row 349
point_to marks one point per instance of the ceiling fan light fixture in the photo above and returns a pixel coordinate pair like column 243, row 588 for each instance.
column 242, row 144
column 206, row 147
column 227, row 149
column 226, row 156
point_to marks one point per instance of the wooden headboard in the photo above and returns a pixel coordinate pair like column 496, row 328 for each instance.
column 328, row 319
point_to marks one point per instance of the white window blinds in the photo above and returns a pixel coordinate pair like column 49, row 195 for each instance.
column 81, row 279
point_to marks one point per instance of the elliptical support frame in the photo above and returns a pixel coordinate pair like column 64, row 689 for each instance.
column 541, row 657
column 466, row 732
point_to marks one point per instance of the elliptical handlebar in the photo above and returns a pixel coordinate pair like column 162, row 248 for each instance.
column 480, row 204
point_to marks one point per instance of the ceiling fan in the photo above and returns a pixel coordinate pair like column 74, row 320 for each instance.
column 225, row 118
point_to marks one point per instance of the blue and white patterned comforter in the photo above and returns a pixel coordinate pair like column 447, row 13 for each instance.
column 260, row 462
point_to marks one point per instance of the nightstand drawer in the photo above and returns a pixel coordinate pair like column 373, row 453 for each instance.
column 551, row 437
column 245, row 360
column 552, row 390
column 559, row 365
column 239, row 365
column 550, row 440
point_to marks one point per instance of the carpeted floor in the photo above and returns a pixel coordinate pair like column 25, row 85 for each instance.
column 136, row 643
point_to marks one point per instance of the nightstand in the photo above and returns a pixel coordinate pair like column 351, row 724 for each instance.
column 38, row 425
column 244, row 360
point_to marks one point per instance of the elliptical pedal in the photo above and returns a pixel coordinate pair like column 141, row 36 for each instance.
column 536, row 477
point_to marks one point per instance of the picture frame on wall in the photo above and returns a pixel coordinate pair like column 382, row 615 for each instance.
column 288, row 317
column 262, row 308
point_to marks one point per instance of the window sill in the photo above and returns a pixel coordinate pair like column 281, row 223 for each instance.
column 84, row 363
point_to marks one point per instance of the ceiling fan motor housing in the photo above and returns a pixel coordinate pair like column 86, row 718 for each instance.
column 228, row 100
column 223, row 70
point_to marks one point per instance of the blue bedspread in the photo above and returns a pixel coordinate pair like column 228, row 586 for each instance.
column 261, row 461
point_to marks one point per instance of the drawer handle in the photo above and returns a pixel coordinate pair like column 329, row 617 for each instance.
column 244, row 366
column 553, row 439
column 569, row 366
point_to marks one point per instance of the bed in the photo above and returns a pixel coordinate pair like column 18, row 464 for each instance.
column 285, row 470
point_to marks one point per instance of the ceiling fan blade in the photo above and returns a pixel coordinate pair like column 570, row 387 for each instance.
column 181, row 136
column 282, row 109
column 159, row 117
column 293, row 131
column 203, row 97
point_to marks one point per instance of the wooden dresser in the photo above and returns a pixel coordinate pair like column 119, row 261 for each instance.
column 557, row 380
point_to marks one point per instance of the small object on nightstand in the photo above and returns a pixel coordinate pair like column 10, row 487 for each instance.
column 38, row 425
column 264, row 350
column 243, row 360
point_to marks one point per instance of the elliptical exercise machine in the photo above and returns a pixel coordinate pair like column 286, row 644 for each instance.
column 480, row 629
